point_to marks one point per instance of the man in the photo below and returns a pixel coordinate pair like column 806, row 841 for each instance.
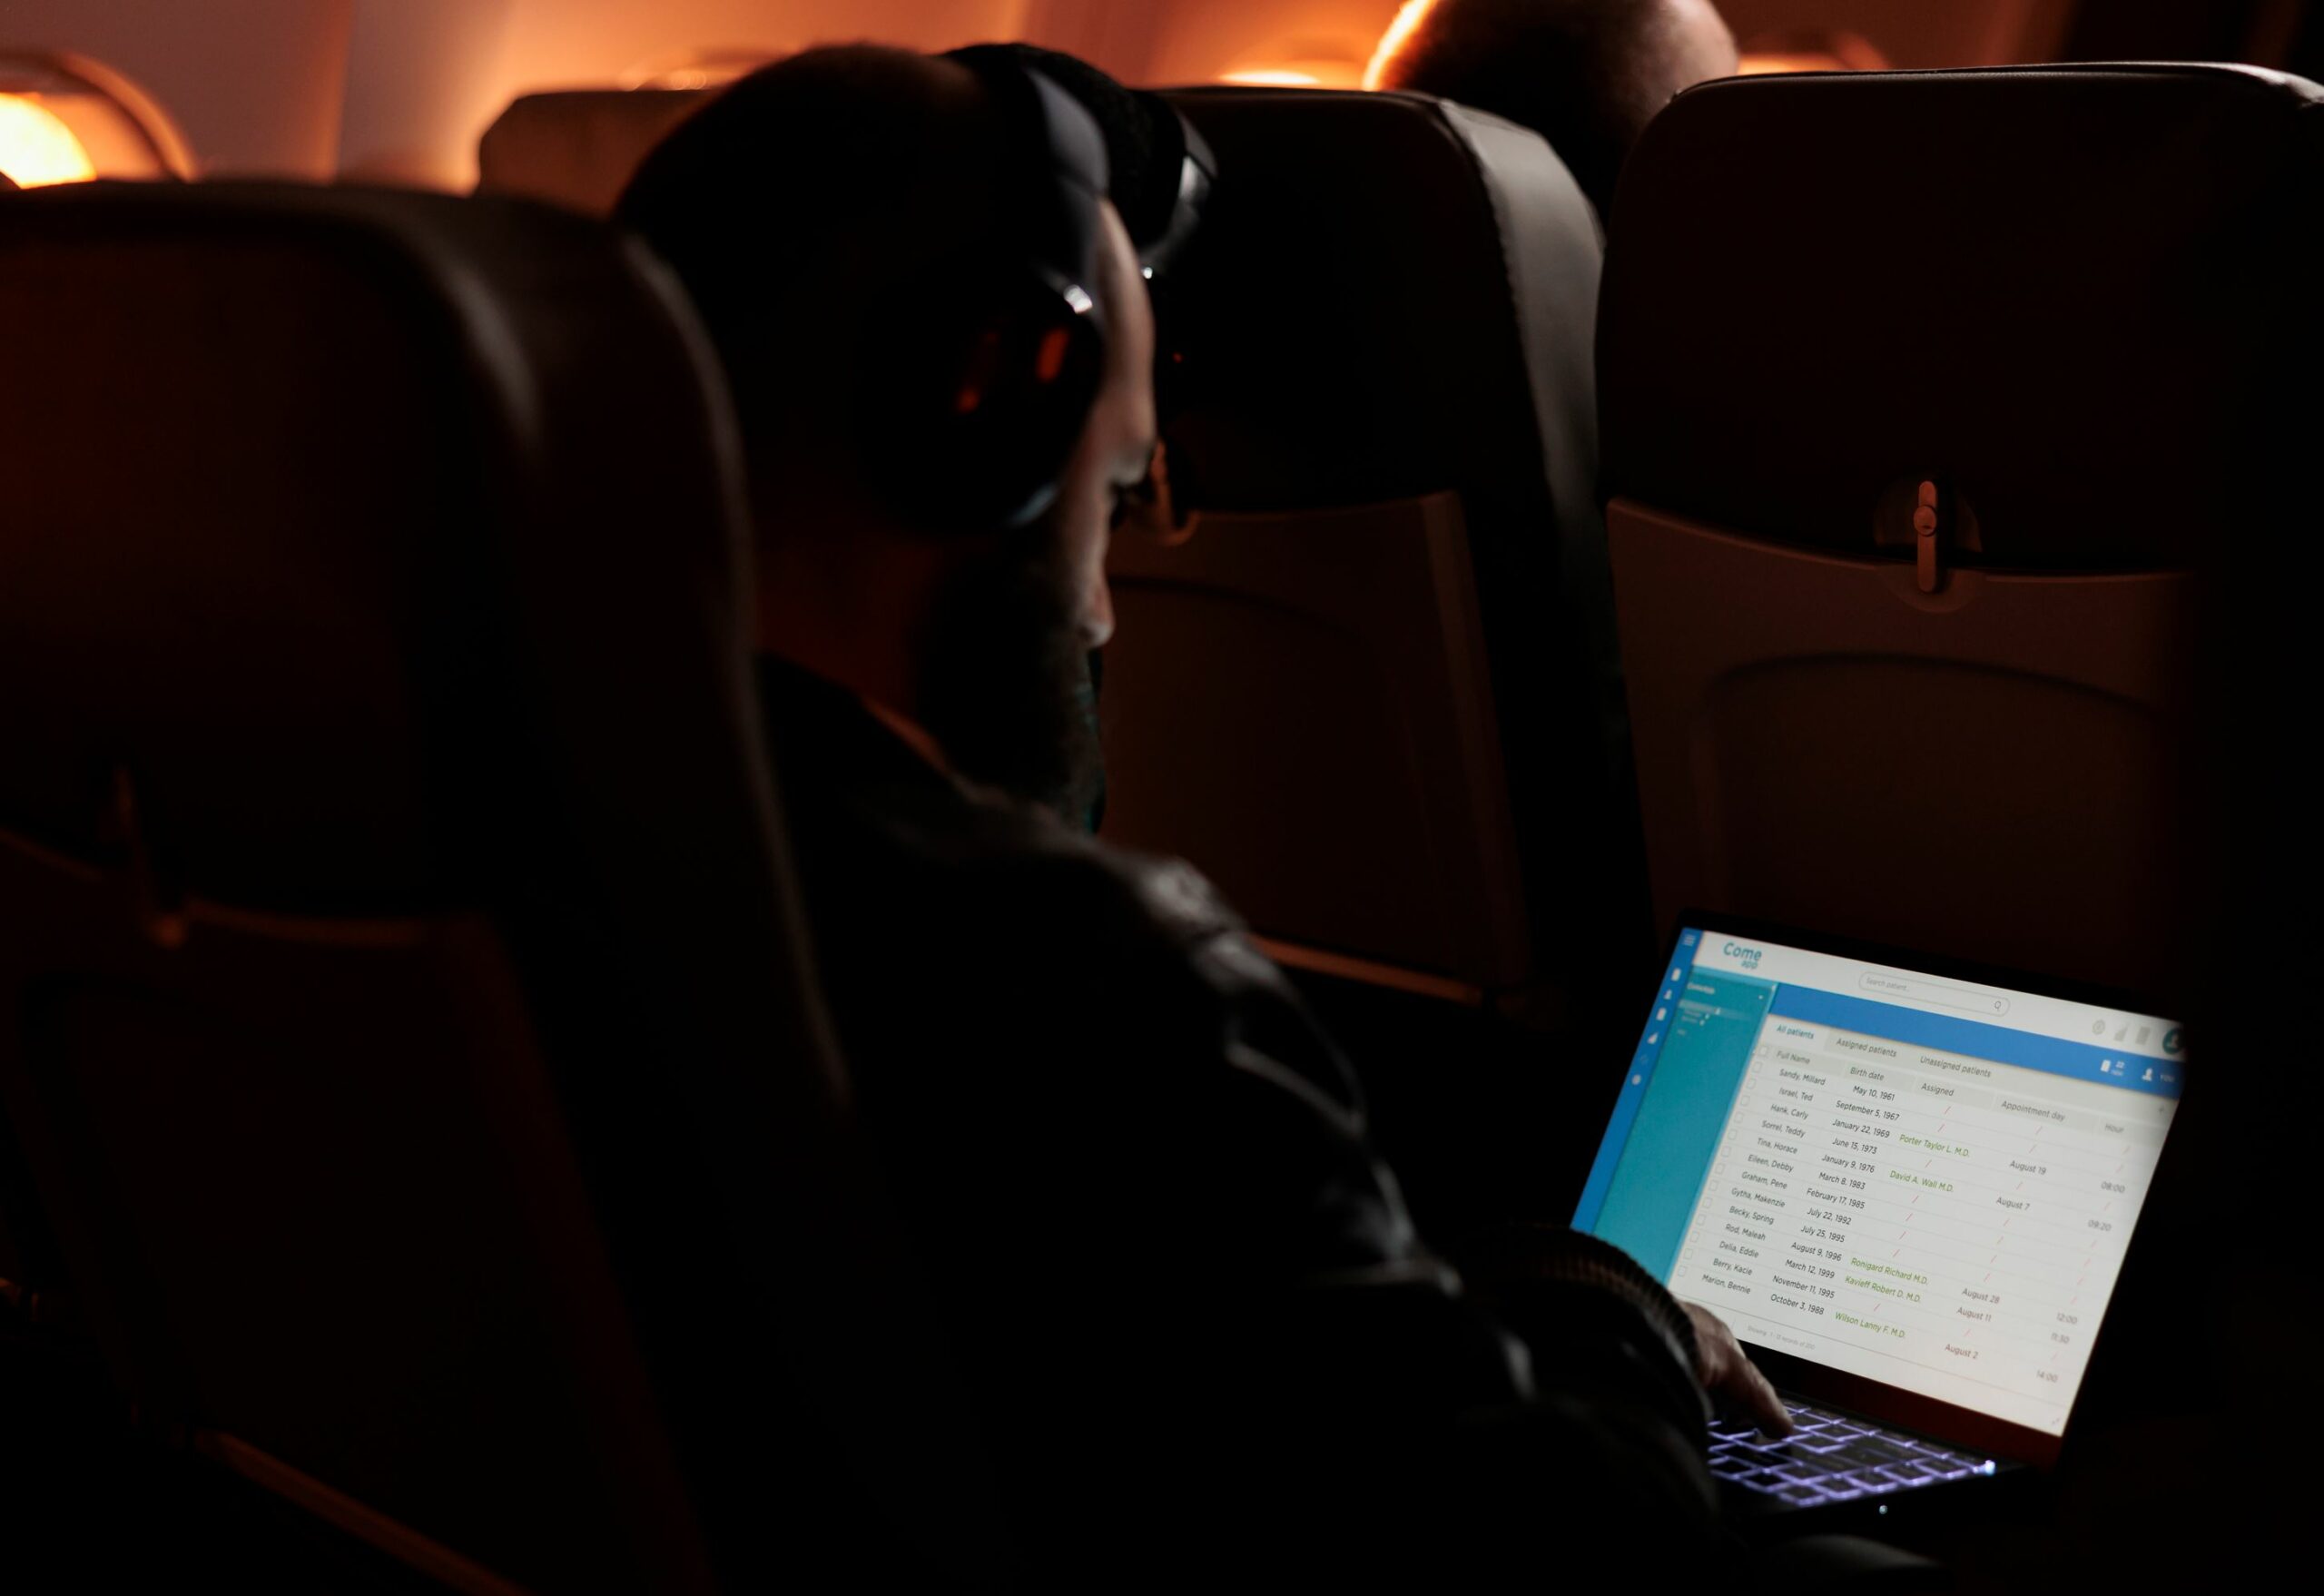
column 1588, row 75
column 1149, row 149
column 1191, row 1311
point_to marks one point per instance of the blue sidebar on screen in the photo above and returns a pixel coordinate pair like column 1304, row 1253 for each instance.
column 1690, row 1065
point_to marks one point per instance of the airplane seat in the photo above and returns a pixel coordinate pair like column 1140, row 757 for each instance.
column 1371, row 691
column 1924, row 394
column 2217, row 1298
column 403, row 1005
column 577, row 148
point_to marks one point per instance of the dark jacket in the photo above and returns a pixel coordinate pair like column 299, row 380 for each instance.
column 1185, row 1296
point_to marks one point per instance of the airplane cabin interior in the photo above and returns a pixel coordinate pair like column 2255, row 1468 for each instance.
column 1692, row 711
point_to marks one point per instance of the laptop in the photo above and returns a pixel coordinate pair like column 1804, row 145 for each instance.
column 1908, row 1190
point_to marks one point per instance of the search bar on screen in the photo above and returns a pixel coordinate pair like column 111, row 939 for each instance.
column 1913, row 990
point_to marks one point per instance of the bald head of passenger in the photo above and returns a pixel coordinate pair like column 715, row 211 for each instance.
column 1588, row 75
column 837, row 219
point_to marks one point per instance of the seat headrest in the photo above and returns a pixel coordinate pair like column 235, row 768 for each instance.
column 2083, row 295
column 284, row 475
column 1346, row 325
column 578, row 148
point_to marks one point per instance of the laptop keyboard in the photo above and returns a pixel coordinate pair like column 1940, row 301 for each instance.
column 1831, row 1457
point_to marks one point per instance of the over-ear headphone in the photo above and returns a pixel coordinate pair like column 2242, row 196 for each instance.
column 1198, row 170
column 1025, row 339
column 1162, row 167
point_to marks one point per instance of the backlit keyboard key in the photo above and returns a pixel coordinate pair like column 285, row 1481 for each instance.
column 1830, row 1457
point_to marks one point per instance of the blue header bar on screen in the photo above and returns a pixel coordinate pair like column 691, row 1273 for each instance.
column 1995, row 1043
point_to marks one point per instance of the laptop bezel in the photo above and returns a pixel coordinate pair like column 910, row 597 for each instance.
column 1966, row 1428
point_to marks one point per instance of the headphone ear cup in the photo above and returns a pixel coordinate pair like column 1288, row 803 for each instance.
column 987, row 436
column 986, row 453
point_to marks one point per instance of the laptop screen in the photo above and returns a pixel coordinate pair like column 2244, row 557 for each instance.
column 1909, row 1178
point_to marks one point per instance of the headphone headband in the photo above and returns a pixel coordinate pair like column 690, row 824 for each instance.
column 1055, row 168
column 1198, row 170
column 987, row 452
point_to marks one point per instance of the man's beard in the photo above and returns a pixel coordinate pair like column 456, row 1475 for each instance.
column 1005, row 684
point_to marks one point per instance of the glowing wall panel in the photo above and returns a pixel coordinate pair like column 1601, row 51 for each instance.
column 255, row 83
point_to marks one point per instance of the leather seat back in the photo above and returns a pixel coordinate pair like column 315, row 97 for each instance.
column 577, row 147
column 2052, row 294
column 403, row 1007
column 1372, row 693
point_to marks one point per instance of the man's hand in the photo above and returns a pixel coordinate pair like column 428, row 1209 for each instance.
column 1730, row 1376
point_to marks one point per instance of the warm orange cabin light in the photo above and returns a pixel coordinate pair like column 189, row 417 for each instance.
column 1305, row 63
column 35, row 146
column 711, row 68
column 68, row 119
column 1270, row 77
column 1781, row 53
column 1806, row 61
column 1408, row 18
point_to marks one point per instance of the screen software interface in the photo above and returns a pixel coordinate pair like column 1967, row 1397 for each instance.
column 1917, row 1179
